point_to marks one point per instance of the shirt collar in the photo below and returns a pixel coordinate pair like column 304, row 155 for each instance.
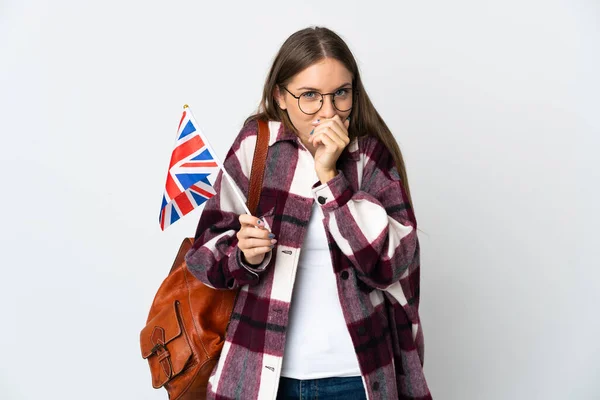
column 279, row 132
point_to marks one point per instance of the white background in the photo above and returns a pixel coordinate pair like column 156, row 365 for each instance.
column 495, row 105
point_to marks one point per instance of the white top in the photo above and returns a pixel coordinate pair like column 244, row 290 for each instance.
column 318, row 344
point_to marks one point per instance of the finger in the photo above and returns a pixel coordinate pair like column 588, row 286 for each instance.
column 333, row 127
column 339, row 141
column 315, row 140
column 322, row 130
column 253, row 232
column 343, row 126
column 247, row 219
column 334, row 123
column 340, row 131
column 318, row 139
column 329, row 143
column 257, row 251
column 248, row 244
column 335, row 138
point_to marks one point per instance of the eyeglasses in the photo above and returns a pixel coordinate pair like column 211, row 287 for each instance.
column 311, row 102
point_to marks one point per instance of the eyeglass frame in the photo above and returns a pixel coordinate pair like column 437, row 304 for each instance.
column 323, row 97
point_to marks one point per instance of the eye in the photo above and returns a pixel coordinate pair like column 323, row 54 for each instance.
column 342, row 92
column 309, row 95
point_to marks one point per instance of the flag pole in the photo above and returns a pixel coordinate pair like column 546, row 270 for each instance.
column 225, row 173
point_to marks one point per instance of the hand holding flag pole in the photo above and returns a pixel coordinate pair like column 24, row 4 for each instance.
column 193, row 160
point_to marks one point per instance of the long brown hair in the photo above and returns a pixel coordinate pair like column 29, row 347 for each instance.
column 301, row 50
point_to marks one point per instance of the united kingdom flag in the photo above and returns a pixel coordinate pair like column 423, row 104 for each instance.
column 192, row 162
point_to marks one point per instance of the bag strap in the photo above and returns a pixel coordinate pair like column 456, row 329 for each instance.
column 258, row 166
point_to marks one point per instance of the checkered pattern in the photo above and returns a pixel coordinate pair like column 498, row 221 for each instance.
column 375, row 252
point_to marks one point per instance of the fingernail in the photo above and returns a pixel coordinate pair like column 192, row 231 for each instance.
column 274, row 241
column 271, row 235
column 311, row 132
column 271, row 246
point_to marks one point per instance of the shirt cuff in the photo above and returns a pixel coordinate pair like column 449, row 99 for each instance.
column 333, row 194
column 244, row 273
column 256, row 269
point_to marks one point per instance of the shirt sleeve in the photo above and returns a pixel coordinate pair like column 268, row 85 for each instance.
column 374, row 226
column 215, row 259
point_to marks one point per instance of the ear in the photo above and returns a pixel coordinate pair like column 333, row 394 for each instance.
column 279, row 98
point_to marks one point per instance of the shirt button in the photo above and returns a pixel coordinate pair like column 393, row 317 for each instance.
column 375, row 386
column 321, row 200
column 345, row 275
column 361, row 330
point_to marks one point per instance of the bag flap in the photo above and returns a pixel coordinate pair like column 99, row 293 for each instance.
column 163, row 328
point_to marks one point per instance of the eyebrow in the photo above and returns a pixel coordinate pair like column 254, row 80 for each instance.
column 317, row 90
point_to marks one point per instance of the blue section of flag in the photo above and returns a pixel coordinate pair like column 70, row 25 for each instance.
column 188, row 180
column 162, row 208
column 199, row 198
column 174, row 215
column 189, row 128
column 204, row 156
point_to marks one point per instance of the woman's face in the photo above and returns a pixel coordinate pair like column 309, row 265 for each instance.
column 325, row 76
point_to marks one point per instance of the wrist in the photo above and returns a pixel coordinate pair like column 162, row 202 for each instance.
column 326, row 176
column 253, row 261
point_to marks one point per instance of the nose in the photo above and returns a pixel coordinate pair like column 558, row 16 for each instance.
column 328, row 109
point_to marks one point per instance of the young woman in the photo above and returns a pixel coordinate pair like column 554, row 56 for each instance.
column 329, row 298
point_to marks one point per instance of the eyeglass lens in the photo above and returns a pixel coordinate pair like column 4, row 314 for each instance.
column 311, row 102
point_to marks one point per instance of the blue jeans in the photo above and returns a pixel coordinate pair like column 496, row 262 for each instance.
column 350, row 388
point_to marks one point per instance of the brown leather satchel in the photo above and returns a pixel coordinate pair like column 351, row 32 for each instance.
column 186, row 326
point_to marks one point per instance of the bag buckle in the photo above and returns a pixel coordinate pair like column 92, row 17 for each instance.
column 158, row 347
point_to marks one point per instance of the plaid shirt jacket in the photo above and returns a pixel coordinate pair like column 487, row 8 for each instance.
column 374, row 249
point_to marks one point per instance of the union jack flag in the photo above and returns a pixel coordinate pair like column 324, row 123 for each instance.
column 192, row 162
